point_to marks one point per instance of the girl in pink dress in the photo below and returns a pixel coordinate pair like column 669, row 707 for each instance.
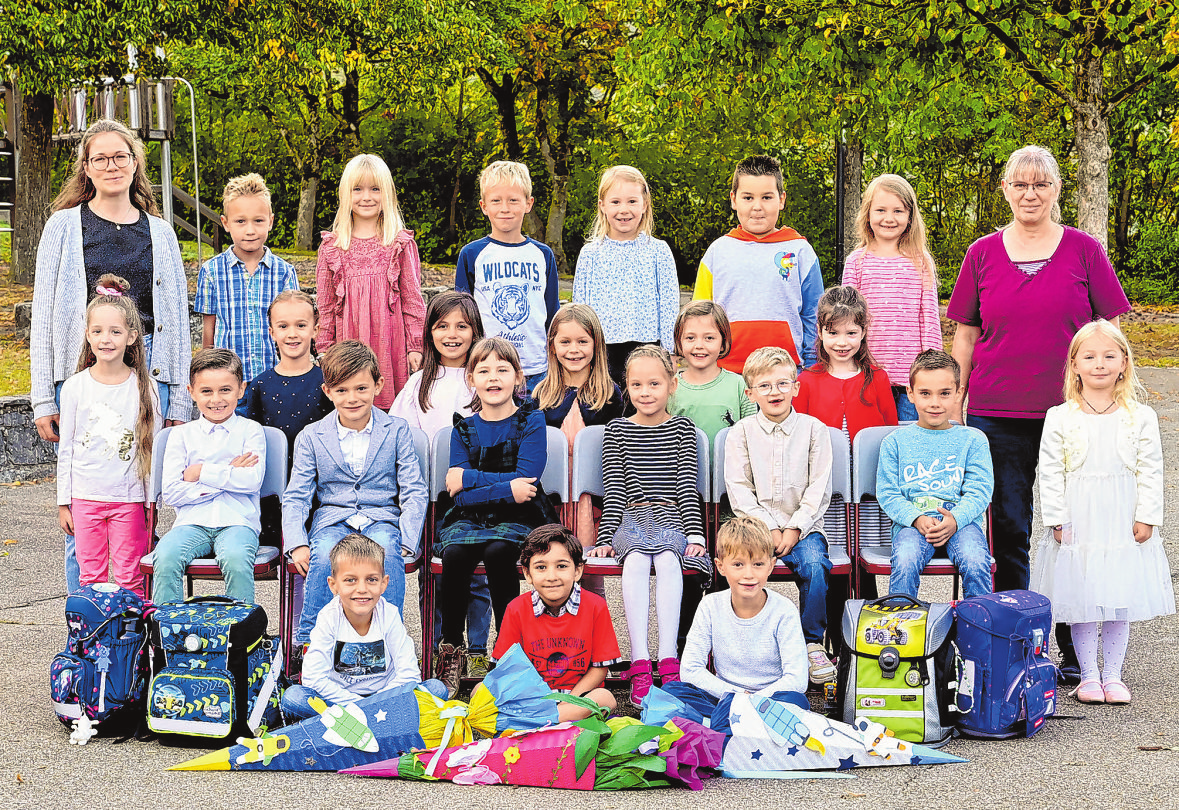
column 369, row 277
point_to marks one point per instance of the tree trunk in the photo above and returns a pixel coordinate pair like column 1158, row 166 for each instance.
column 853, row 189
column 554, row 148
column 33, row 186
column 305, row 219
column 1091, row 130
column 504, row 92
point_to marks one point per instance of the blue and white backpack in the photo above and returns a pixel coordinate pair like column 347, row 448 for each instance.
column 1007, row 683
column 102, row 672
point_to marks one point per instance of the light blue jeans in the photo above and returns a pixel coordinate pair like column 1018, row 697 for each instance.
column 316, row 592
column 234, row 547
column 295, row 703
column 967, row 549
column 72, row 574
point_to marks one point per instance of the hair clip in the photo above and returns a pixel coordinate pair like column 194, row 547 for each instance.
column 117, row 293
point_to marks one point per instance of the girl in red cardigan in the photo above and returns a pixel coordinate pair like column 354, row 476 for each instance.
column 846, row 390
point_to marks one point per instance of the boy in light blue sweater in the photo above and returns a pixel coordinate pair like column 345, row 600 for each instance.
column 935, row 481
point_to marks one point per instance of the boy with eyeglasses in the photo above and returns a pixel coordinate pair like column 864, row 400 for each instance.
column 778, row 469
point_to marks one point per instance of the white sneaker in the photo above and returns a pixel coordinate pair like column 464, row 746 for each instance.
column 821, row 668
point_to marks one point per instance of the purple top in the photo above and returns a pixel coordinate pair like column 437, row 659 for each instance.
column 1028, row 321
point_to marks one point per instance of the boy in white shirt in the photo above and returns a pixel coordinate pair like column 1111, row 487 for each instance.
column 753, row 634
column 359, row 646
column 213, row 471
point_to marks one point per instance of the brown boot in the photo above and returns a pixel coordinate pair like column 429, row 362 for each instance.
column 448, row 667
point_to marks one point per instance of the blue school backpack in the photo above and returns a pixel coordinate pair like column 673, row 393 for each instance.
column 102, row 672
column 1006, row 684
column 215, row 672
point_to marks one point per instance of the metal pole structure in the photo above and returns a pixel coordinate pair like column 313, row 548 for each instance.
column 840, row 157
column 165, row 159
column 196, row 175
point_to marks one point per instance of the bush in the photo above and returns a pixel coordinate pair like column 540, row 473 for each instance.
column 1151, row 273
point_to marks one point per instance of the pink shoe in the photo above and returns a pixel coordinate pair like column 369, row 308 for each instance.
column 1089, row 691
column 640, row 679
column 1116, row 693
column 669, row 670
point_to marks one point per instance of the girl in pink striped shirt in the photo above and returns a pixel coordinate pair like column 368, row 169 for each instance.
column 892, row 268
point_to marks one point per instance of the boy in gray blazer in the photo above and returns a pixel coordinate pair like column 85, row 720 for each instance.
column 362, row 464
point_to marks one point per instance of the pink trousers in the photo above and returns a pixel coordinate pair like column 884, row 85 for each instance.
column 113, row 535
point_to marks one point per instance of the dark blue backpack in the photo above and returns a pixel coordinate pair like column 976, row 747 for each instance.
column 102, row 672
column 1006, row 683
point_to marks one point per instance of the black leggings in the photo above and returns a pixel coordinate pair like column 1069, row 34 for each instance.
column 459, row 561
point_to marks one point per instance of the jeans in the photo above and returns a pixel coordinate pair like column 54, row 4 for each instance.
column 905, row 410
column 717, row 709
column 317, row 593
column 235, row 548
column 72, row 573
column 967, row 549
column 533, row 380
column 1015, row 450
column 478, row 612
column 295, row 699
column 812, row 565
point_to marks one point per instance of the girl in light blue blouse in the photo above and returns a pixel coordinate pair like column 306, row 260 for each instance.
column 626, row 274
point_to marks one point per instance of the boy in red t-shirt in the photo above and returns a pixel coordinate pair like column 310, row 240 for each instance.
column 566, row 632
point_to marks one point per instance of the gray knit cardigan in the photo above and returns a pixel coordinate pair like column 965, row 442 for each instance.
column 59, row 313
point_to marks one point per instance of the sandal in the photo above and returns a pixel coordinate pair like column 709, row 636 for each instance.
column 1089, row 691
column 1116, row 693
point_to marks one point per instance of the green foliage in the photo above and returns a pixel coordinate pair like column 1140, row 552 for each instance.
column 1152, row 266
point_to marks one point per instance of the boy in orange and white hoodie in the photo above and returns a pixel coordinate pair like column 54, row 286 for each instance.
column 767, row 278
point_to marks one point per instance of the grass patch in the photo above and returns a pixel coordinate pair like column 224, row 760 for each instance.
column 1154, row 344
column 14, row 367
column 5, row 248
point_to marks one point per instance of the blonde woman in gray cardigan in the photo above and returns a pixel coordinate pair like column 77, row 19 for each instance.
column 106, row 221
column 1101, row 561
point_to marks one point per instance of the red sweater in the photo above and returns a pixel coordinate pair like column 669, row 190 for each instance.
column 828, row 398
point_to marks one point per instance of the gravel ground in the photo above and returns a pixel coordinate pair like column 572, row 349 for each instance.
column 1089, row 757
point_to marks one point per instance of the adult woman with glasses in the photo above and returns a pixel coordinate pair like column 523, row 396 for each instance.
column 106, row 220
column 1021, row 295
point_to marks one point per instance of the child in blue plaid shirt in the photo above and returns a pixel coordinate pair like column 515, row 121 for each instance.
column 235, row 287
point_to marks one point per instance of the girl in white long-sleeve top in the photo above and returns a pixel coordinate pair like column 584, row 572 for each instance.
column 1102, row 561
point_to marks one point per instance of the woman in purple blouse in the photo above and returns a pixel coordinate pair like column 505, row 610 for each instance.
column 1021, row 295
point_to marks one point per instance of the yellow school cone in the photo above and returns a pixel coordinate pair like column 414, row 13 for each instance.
column 216, row 761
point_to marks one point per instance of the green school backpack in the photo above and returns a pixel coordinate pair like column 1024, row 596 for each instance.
column 896, row 666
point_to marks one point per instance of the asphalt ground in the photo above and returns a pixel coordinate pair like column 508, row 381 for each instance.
column 1090, row 757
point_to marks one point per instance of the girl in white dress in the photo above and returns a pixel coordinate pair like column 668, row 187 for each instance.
column 1102, row 561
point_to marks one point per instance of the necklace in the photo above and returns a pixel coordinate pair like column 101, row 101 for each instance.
column 119, row 225
column 1095, row 411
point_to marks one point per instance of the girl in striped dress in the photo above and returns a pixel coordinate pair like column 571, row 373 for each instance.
column 892, row 267
column 651, row 513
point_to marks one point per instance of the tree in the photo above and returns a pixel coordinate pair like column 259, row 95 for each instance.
column 48, row 47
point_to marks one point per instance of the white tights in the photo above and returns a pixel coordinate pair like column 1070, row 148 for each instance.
column 636, row 601
column 1115, row 636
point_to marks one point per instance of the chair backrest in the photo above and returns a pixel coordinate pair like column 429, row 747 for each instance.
column 587, row 463
column 421, row 446
column 275, row 480
column 840, row 465
column 555, row 478
column 841, row 471
column 273, row 483
column 155, row 483
column 865, row 459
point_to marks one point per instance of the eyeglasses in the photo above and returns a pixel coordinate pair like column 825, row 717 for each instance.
column 1021, row 188
column 121, row 160
column 781, row 386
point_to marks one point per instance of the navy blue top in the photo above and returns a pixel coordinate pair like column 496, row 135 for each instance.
column 555, row 415
column 287, row 403
column 491, row 487
column 124, row 250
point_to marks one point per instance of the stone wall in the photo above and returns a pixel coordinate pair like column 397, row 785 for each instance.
column 23, row 456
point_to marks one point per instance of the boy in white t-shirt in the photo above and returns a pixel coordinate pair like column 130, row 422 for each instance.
column 359, row 646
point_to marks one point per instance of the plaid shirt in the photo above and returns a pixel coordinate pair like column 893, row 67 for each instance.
column 240, row 301
column 571, row 606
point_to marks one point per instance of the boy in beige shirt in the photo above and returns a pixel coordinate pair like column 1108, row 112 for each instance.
column 778, row 469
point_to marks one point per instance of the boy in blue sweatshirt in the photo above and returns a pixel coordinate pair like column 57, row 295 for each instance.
column 935, row 481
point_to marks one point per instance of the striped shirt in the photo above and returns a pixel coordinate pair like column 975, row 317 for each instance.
column 240, row 300
column 635, row 469
column 899, row 331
